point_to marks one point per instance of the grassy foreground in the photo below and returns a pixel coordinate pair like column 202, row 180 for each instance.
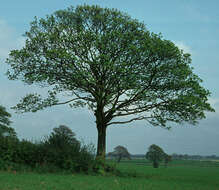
column 180, row 175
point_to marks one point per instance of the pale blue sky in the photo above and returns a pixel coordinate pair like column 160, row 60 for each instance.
column 192, row 24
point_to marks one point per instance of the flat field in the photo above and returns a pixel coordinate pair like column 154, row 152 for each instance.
column 179, row 175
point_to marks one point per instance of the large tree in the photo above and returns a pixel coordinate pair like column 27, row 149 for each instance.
column 107, row 61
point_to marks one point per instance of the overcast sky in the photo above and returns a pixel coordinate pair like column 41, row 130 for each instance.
column 192, row 24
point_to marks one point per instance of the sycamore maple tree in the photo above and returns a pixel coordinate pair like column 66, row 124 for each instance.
column 103, row 59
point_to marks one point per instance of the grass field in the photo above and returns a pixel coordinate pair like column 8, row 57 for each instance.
column 179, row 175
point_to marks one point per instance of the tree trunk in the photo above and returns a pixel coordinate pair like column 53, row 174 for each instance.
column 101, row 142
column 101, row 129
column 155, row 164
column 119, row 159
column 101, row 124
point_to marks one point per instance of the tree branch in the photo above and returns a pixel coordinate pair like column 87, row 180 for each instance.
column 140, row 109
column 60, row 103
column 128, row 121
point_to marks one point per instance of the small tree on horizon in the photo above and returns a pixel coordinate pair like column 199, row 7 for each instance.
column 120, row 152
column 167, row 159
column 155, row 154
column 103, row 59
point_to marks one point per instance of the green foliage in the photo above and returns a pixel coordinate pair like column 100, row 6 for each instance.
column 110, row 63
column 5, row 130
column 167, row 159
column 4, row 117
column 13, row 167
column 8, row 137
column 59, row 151
column 66, row 152
column 8, row 148
column 120, row 152
column 61, row 138
column 29, row 153
column 20, row 152
column 112, row 49
column 155, row 154
column 104, row 168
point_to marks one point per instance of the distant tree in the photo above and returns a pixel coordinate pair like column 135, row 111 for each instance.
column 167, row 159
column 110, row 63
column 213, row 156
column 5, row 130
column 120, row 152
column 4, row 117
column 62, row 137
column 155, row 154
column 174, row 156
column 185, row 156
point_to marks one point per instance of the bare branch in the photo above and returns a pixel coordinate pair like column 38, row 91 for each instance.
column 83, row 98
column 60, row 103
column 135, row 96
column 129, row 121
column 140, row 109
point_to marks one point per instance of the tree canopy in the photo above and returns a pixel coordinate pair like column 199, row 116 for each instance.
column 61, row 137
column 5, row 130
column 4, row 117
column 103, row 59
column 120, row 152
column 155, row 154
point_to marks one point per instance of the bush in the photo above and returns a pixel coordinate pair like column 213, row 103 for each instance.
column 58, row 151
column 8, row 148
column 30, row 153
column 66, row 152
column 13, row 167
column 21, row 152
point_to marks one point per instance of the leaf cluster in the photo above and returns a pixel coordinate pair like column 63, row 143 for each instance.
column 155, row 153
column 60, row 150
column 112, row 64
column 4, row 117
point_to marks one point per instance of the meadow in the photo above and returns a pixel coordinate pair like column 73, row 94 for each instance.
column 137, row 174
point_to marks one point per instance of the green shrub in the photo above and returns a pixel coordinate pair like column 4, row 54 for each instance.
column 47, row 168
column 21, row 152
column 13, row 167
column 30, row 153
column 64, row 151
column 8, row 148
column 58, row 151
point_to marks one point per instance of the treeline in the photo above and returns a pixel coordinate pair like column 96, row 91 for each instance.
column 181, row 157
column 58, row 152
column 193, row 157
column 155, row 155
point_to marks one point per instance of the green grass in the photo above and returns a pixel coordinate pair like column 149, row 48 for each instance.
column 179, row 175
